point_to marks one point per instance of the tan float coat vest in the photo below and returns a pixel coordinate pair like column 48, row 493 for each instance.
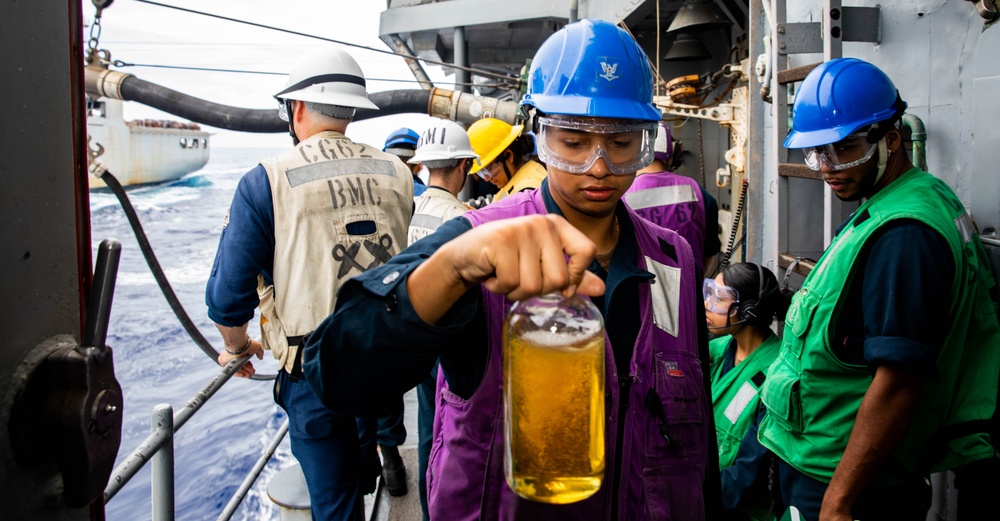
column 433, row 208
column 318, row 188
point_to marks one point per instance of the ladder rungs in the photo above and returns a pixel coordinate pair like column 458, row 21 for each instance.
column 795, row 74
column 798, row 170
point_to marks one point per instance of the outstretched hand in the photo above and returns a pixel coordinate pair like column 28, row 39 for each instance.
column 520, row 258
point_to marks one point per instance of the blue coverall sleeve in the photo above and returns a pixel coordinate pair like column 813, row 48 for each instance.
column 246, row 249
column 906, row 299
column 374, row 347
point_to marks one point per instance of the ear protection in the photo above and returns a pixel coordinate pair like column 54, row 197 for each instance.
column 748, row 310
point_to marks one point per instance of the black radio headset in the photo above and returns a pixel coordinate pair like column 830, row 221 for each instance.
column 748, row 309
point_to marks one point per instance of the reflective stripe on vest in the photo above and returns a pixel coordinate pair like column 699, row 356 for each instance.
column 660, row 196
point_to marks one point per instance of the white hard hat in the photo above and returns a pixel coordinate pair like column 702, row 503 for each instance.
column 443, row 140
column 328, row 76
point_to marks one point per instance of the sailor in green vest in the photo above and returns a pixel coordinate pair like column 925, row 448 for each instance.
column 741, row 302
column 889, row 359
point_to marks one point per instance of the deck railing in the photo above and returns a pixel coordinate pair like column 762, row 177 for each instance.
column 158, row 448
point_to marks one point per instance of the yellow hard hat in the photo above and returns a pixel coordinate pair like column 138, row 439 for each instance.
column 489, row 137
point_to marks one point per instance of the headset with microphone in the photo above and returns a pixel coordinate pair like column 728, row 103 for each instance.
column 749, row 310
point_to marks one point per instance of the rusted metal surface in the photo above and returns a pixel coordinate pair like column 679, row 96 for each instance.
column 798, row 170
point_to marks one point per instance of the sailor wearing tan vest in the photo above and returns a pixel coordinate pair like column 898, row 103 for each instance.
column 301, row 223
column 445, row 150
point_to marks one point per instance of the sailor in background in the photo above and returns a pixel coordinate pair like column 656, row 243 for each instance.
column 741, row 302
column 676, row 202
column 506, row 157
column 590, row 91
column 889, row 360
column 446, row 152
column 300, row 225
column 402, row 143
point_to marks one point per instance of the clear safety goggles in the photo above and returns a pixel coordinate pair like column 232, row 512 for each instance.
column 718, row 299
column 846, row 153
column 487, row 172
column 575, row 145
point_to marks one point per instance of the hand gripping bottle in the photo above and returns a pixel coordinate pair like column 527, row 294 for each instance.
column 554, row 398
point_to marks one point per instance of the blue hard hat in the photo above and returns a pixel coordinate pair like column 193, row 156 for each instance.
column 592, row 68
column 404, row 137
column 839, row 98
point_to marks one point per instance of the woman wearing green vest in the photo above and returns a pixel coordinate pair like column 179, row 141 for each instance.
column 740, row 304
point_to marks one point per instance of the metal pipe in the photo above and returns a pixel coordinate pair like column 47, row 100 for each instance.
column 254, row 473
column 918, row 136
column 131, row 465
column 397, row 44
column 163, row 464
column 206, row 392
column 462, row 76
column 573, row 7
column 102, row 292
column 465, row 107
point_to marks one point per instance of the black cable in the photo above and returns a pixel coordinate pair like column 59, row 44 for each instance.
column 161, row 279
column 120, row 63
column 735, row 228
column 349, row 44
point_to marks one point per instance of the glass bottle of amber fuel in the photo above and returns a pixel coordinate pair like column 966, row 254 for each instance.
column 554, row 398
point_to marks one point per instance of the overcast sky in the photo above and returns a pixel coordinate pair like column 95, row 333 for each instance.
column 140, row 33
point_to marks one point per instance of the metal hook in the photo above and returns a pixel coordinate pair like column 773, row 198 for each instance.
column 788, row 272
column 94, row 166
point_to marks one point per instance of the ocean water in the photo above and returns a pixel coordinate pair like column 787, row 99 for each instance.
column 157, row 362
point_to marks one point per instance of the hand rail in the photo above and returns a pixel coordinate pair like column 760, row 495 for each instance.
column 162, row 435
column 254, row 473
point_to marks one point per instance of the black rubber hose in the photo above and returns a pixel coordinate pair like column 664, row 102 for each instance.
column 161, row 279
column 257, row 120
column 201, row 111
column 412, row 101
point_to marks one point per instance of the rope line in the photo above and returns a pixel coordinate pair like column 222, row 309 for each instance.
column 120, row 63
column 478, row 72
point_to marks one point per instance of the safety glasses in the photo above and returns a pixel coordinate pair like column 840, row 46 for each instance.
column 846, row 153
column 488, row 172
column 718, row 299
column 284, row 109
column 575, row 145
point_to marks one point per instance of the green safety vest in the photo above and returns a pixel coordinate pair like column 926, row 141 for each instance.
column 812, row 397
column 735, row 394
column 735, row 400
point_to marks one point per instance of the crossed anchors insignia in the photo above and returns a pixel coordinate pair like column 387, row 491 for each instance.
column 609, row 71
column 347, row 255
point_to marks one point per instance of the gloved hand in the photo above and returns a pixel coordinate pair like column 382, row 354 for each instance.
column 479, row 202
